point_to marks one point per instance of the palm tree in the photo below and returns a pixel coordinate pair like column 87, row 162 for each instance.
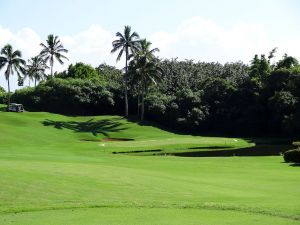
column 128, row 43
column 36, row 69
column 13, row 62
column 143, row 72
column 52, row 50
column 145, row 51
column 29, row 76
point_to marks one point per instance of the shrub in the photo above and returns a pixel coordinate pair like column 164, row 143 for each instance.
column 70, row 96
column 292, row 156
column 25, row 96
column 3, row 95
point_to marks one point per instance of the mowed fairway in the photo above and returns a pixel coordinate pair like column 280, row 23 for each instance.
column 56, row 170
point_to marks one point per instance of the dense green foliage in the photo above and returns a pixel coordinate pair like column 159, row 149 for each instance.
column 81, row 89
column 196, row 97
column 3, row 95
column 67, row 96
column 79, row 71
column 231, row 98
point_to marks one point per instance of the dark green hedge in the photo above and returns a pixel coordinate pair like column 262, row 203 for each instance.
column 70, row 96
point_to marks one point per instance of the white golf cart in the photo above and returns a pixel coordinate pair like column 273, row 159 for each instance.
column 14, row 107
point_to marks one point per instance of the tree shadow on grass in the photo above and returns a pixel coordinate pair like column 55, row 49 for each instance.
column 258, row 150
column 90, row 126
column 295, row 164
column 211, row 147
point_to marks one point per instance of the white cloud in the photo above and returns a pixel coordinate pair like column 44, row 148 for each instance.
column 196, row 38
column 91, row 46
column 204, row 40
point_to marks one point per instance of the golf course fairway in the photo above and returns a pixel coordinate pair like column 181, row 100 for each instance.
column 56, row 169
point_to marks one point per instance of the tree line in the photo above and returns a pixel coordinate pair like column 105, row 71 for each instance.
column 261, row 98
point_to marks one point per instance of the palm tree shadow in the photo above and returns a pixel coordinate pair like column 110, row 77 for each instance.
column 90, row 126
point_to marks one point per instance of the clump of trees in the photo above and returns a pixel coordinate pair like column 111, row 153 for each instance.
column 233, row 98
column 81, row 89
column 71, row 96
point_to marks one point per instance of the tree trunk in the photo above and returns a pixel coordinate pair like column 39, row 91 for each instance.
column 126, row 98
column 143, row 107
column 139, row 103
column 52, row 70
column 35, row 82
column 143, row 103
column 51, row 65
column 8, row 103
column 125, row 87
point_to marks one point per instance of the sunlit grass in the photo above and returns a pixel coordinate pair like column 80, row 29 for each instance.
column 50, row 174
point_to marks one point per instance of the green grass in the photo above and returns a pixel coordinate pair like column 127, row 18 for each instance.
column 51, row 174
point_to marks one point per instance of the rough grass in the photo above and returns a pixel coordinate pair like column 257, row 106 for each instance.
column 48, row 175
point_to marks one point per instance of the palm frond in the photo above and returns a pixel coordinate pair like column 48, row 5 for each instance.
column 44, row 46
column 16, row 53
column 116, row 48
column 62, row 50
column 52, row 50
column 58, row 58
column 118, row 34
column 154, row 50
column 134, row 35
column 120, row 54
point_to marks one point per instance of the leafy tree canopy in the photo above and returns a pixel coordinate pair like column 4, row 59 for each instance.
column 80, row 71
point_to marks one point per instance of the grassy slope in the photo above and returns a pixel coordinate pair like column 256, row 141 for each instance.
column 49, row 176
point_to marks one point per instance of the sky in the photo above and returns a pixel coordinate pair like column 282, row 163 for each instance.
column 215, row 31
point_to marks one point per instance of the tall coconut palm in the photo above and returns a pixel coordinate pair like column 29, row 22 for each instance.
column 145, row 50
column 36, row 69
column 143, row 72
column 53, row 49
column 13, row 62
column 127, row 43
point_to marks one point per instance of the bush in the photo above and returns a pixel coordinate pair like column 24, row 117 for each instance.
column 292, row 156
column 69, row 96
column 25, row 96
column 3, row 95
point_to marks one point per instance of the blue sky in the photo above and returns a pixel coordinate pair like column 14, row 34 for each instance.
column 201, row 30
